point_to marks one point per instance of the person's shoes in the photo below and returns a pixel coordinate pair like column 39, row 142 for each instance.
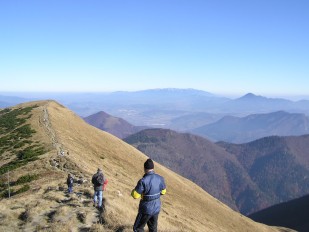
column 101, row 208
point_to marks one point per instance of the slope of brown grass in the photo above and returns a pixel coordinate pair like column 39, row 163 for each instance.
column 47, row 207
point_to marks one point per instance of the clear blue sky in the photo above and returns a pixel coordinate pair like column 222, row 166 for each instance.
column 220, row 46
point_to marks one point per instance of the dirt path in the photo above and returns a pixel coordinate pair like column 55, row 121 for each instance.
column 50, row 131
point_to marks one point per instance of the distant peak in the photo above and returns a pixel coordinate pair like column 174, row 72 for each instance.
column 251, row 96
column 103, row 113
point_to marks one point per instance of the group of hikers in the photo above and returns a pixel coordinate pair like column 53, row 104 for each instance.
column 149, row 188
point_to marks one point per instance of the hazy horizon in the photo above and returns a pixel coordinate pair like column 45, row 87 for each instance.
column 39, row 94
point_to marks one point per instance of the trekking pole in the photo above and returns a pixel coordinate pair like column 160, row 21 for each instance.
column 9, row 183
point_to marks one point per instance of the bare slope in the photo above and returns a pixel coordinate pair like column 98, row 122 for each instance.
column 46, row 207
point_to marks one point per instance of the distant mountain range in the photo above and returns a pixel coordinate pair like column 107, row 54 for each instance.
column 252, row 127
column 159, row 107
column 185, row 110
column 248, row 176
column 252, row 104
column 292, row 214
column 112, row 125
column 154, row 108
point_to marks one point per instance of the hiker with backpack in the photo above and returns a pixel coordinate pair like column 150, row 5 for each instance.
column 98, row 181
column 70, row 182
column 149, row 189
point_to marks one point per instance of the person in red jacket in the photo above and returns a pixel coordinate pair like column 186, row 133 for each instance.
column 104, row 185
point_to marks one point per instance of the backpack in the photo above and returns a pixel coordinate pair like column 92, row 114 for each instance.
column 70, row 181
column 98, row 179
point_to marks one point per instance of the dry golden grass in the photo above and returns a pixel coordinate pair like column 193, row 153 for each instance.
column 47, row 207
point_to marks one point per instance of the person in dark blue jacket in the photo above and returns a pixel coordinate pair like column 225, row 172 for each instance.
column 149, row 189
column 70, row 181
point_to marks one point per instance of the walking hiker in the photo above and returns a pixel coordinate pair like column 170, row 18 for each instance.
column 98, row 180
column 149, row 189
column 70, row 182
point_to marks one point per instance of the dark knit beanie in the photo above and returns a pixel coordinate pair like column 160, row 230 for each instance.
column 149, row 164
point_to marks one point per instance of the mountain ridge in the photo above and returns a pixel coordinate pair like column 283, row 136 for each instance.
column 278, row 165
column 245, row 129
column 113, row 125
column 78, row 148
column 291, row 214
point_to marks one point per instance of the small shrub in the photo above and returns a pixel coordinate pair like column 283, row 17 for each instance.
column 19, row 145
column 5, row 111
column 30, row 152
column 24, row 216
column 25, row 131
column 26, row 179
column 4, row 194
column 23, row 189
column 81, row 216
column 15, row 164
